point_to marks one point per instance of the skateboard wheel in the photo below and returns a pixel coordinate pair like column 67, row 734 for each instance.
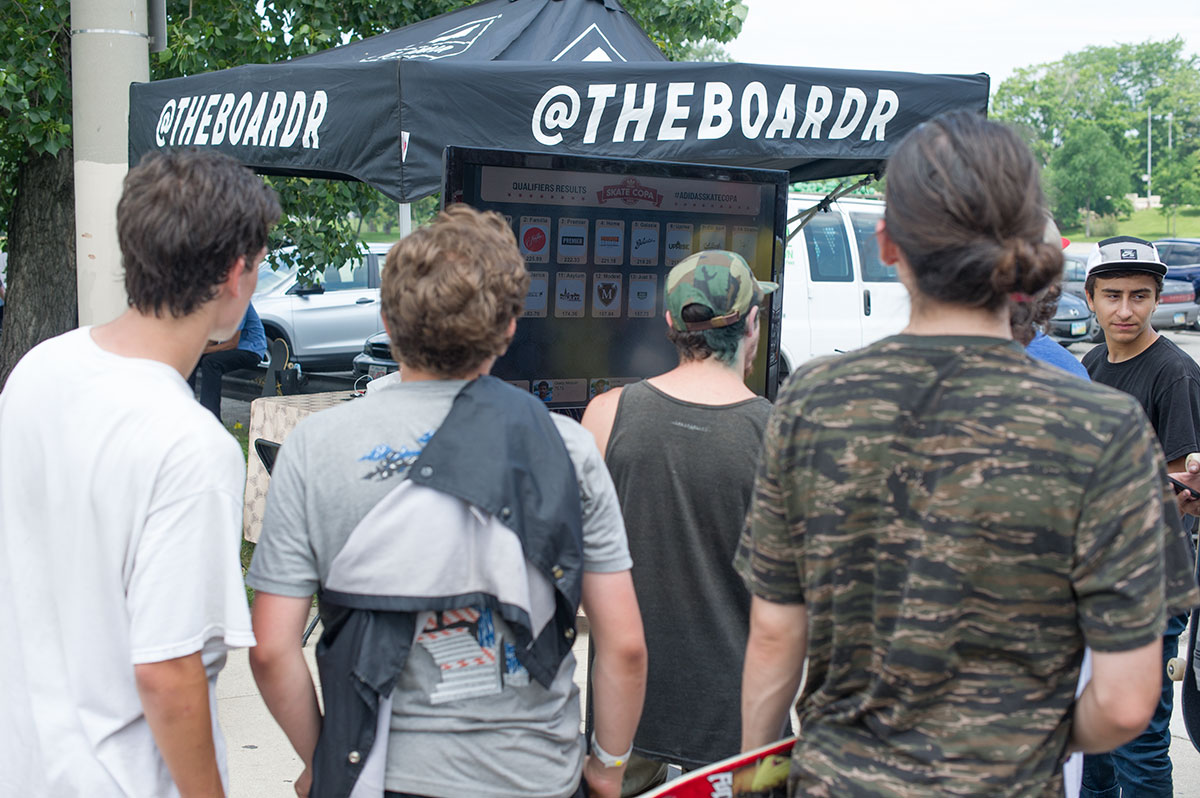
column 1175, row 668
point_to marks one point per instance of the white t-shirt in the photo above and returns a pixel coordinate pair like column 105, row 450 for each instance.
column 120, row 508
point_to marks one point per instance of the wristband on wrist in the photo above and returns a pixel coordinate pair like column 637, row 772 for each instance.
column 607, row 759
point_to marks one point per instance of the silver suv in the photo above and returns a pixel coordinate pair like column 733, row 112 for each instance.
column 324, row 324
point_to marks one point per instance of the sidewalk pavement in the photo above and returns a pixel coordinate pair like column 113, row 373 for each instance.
column 262, row 763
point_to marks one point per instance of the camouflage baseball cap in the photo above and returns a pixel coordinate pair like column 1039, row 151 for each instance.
column 718, row 280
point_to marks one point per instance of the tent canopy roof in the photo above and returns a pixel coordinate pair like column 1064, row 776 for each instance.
column 560, row 76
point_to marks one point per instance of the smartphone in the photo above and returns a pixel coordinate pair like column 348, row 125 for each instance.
column 1180, row 488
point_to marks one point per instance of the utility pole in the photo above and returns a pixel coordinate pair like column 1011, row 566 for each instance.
column 109, row 50
column 1149, row 147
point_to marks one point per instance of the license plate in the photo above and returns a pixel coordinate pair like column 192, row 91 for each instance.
column 375, row 372
column 1078, row 328
column 1180, row 318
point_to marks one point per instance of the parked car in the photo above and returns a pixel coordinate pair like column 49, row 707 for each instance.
column 1176, row 306
column 837, row 294
column 324, row 323
column 1182, row 256
column 375, row 360
column 1073, row 321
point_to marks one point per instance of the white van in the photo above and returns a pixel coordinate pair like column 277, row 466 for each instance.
column 837, row 294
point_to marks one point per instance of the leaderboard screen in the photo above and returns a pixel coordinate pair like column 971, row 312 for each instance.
column 599, row 236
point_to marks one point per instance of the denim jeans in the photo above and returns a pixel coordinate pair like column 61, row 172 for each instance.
column 1142, row 767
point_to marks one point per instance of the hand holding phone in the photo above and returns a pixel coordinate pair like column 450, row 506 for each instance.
column 1180, row 488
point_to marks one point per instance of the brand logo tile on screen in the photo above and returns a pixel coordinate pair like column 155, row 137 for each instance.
column 569, row 288
column 538, row 295
column 643, row 296
column 643, row 244
column 606, row 295
column 534, row 239
column 630, row 192
column 712, row 236
column 745, row 243
column 679, row 242
column 572, row 240
column 610, row 242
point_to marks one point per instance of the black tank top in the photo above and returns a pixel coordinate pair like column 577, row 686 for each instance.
column 684, row 474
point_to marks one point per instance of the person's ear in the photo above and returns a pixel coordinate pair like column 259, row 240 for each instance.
column 667, row 316
column 752, row 320
column 233, row 278
column 889, row 253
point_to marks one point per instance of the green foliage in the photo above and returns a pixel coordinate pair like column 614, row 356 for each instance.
column 677, row 25
column 1177, row 182
column 706, row 50
column 1087, row 172
column 35, row 87
column 1112, row 89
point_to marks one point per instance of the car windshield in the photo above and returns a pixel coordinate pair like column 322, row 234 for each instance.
column 269, row 279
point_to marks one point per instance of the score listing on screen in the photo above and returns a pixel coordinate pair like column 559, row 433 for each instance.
column 643, row 244
column 536, row 298
column 569, row 288
column 679, row 242
column 745, row 243
column 606, row 295
column 712, row 236
column 643, row 295
column 610, row 242
column 534, row 239
column 572, row 241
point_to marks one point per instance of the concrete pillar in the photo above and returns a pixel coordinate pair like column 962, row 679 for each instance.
column 109, row 50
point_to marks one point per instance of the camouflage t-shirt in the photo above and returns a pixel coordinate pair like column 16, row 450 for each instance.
column 959, row 521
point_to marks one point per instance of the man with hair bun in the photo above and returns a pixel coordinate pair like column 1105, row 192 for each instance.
column 450, row 526
column 941, row 525
column 1123, row 284
column 682, row 449
column 121, row 507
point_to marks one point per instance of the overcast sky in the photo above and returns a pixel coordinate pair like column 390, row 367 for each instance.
column 950, row 36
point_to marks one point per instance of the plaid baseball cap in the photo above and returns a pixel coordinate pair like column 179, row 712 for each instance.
column 1125, row 254
column 718, row 280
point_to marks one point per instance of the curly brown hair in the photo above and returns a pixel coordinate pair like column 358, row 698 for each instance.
column 451, row 289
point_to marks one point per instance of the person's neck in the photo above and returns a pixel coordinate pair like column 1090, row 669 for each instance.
column 704, row 382
column 940, row 318
column 1119, row 352
column 418, row 374
column 177, row 342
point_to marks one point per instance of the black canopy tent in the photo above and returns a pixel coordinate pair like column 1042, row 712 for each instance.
column 560, row 76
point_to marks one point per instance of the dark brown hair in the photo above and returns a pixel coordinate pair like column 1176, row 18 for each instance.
column 965, row 206
column 184, row 218
column 720, row 342
column 451, row 289
column 1030, row 315
column 1089, row 284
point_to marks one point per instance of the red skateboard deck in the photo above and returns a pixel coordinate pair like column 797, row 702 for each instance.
column 761, row 773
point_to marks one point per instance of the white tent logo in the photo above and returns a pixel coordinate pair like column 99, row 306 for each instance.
column 591, row 45
column 455, row 41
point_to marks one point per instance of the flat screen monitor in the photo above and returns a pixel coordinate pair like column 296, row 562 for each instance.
column 599, row 236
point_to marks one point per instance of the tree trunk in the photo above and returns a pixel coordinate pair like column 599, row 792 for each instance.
column 41, row 299
column 1087, row 221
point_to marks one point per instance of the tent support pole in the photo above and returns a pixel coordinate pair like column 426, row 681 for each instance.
column 405, row 218
column 842, row 190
